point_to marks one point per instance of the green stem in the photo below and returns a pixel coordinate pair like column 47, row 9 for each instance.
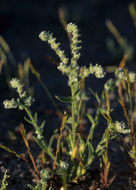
column 36, row 128
column 130, row 99
column 31, row 117
column 73, row 116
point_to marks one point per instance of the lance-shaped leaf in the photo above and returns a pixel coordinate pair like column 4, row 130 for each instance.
column 67, row 99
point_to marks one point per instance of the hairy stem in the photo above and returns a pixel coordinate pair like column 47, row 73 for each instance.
column 73, row 116
column 31, row 117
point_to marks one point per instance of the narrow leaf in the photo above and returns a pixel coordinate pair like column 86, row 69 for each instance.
column 35, row 117
column 28, row 121
column 64, row 99
column 12, row 151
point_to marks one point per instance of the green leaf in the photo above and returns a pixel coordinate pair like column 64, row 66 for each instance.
column 91, row 132
column 35, row 117
column 64, row 99
column 90, row 147
column 76, row 89
column 51, row 140
column 42, row 125
column 42, row 144
column 31, row 187
column 91, row 153
column 28, row 121
column 44, row 186
column 95, row 94
column 91, row 118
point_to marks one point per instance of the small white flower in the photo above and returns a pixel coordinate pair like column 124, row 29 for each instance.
column 73, row 29
column 121, row 127
column 15, row 83
column 47, row 36
column 28, row 101
column 23, row 99
column 64, row 165
column 9, row 104
column 109, row 85
column 99, row 72
column 44, row 36
column 91, row 69
column 132, row 77
column 120, row 74
column 86, row 72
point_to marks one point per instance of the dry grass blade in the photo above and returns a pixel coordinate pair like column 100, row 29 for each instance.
column 62, row 17
column 13, row 152
column 134, row 112
column 122, row 102
column 33, row 70
column 1, row 64
column 49, row 58
column 108, row 107
column 131, row 109
column 59, row 139
column 114, row 31
column 123, row 61
column 23, row 133
column 132, row 11
column 7, row 50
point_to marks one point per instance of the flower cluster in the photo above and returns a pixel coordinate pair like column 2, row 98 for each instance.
column 23, row 99
column 47, row 36
column 72, row 70
column 119, row 127
column 64, row 165
column 73, row 29
column 97, row 70
column 132, row 154
column 121, row 75
column 9, row 104
column 109, row 85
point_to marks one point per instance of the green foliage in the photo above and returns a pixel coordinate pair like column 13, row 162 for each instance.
column 72, row 164
column 124, row 81
column 42, row 185
column 4, row 183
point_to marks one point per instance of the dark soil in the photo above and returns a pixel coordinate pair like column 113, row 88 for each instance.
column 20, row 24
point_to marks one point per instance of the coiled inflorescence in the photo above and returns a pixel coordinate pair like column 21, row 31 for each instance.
column 47, row 36
column 73, row 29
column 72, row 70
column 23, row 99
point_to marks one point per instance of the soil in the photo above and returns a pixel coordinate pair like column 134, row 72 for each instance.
column 20, row 24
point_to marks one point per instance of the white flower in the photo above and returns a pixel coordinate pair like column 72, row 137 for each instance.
column 23, row 99
column 86, row 72
column 9, row 104
column 132, row 77
column 64, row 165
column 91, row 69
column 44, row 36
column 15, row 83
column 109, row 85
column 73, row 29
column 121, row 75
column 121, row 127
column 99, row 72
column 28, row 101
column 47, row 36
